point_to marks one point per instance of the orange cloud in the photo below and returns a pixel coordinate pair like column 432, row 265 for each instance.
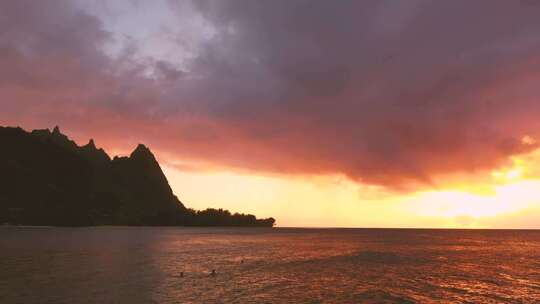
column 397, row 98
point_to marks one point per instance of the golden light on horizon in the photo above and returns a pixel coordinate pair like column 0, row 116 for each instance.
column 335, row 201
column 505, row 199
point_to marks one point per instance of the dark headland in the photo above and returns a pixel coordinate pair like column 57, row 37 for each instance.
column 47, row 179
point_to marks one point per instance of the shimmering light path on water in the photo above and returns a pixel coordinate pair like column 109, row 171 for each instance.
column 143, row 265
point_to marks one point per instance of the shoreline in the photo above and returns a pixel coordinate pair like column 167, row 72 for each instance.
column 275, row 228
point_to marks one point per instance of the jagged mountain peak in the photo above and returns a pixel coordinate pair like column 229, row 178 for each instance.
column 91, row 144
column 55, row 136
column 91, row 152
column 142, row 151
column 142, row 147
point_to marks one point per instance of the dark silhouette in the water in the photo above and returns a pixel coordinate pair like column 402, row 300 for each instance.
column 213, row 273
column 47, row 179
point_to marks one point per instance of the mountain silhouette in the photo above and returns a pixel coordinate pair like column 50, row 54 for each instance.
column 47, row 179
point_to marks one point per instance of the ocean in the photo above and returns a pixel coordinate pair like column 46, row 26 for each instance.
column 263, row 265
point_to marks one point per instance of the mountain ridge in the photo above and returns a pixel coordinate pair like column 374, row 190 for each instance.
column 47, row 179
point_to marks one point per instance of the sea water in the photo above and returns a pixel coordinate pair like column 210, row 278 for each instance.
column 258, row 265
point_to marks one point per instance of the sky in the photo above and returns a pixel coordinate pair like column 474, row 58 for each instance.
column 318, row 113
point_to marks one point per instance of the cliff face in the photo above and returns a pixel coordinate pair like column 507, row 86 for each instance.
column 47, row 179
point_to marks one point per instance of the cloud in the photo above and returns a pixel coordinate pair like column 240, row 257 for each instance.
column 392, row 94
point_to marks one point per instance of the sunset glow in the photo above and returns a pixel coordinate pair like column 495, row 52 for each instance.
column 358, row 115
column 334, row 201
column 270, row 151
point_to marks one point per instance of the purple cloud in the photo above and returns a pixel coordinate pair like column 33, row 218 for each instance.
column 389, row 93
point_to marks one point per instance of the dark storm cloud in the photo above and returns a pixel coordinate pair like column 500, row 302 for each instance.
column 385, row 92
